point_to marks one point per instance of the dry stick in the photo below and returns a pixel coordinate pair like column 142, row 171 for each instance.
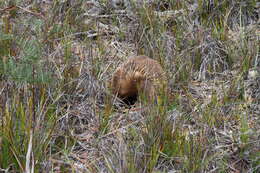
column 118, row 13
column 24, row 9
column 31, row 12
column 114, row 131
column 8, row 8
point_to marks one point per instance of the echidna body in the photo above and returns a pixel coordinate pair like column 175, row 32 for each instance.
column 138, row 75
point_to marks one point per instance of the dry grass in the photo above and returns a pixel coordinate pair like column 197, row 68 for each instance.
column 57, row 114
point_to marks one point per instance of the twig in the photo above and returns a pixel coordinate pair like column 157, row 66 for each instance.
column 31, row 12
column 8, row 8
column 114, row 131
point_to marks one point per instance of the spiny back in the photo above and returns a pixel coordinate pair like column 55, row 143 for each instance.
column 138, row 74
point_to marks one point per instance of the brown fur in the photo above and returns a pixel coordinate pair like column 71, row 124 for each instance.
column 138, row 75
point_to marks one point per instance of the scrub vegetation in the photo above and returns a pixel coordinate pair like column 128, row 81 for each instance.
column 57, row 113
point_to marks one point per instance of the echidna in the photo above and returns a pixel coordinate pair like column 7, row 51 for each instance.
column 138, row 76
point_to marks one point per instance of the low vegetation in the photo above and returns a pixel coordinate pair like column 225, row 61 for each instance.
column 57, row 113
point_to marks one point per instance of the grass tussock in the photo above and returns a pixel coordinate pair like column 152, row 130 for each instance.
column 57, row 113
